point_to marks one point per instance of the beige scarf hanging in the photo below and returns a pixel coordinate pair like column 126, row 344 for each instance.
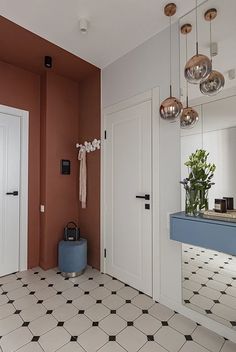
column 82, row 177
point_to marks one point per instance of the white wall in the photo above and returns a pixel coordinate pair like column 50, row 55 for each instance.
column 146, row 67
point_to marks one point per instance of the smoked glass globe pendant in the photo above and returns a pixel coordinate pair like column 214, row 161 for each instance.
column 189, row 116
column 215, row 81
column 171, row 107
column 198, row 68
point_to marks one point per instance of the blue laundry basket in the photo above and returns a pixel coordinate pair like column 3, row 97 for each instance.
column 72, row 257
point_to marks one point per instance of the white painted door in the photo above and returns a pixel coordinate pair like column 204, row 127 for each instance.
column 128, row 219
column 9, row 183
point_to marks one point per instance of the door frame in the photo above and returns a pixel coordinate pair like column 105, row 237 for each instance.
column 152, row 95
column 23, row 201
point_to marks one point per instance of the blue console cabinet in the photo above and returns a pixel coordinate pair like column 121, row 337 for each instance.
column 211, row 234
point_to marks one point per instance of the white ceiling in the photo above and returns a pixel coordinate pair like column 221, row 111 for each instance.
column 117, row 26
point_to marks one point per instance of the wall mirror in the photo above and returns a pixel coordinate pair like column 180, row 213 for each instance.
column 209, row 277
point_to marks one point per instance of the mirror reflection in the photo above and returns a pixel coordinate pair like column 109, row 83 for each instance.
column 209, row 277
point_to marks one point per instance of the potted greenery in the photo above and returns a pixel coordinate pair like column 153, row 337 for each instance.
column 198, row 182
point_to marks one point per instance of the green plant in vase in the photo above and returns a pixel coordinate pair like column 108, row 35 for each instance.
column 198, row 182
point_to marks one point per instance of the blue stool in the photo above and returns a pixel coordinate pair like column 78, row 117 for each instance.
column 72, row 257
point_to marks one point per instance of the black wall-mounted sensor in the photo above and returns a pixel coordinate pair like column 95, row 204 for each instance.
column 65, row 167
column 48, row 61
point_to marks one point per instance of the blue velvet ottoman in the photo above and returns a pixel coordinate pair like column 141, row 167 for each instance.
column 72, row 257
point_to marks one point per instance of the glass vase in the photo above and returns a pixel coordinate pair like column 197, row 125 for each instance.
column 196, row 201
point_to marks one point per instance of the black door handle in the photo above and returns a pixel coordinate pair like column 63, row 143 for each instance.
column 15, row 193
column 146, row 197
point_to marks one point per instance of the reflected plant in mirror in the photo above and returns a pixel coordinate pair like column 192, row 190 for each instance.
column 198, row 182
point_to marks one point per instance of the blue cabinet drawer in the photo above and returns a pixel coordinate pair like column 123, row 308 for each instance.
column 211, row 234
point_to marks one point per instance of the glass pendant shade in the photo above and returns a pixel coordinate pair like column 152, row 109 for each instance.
column 213, row 84
column 188, row 118
column 215, row 81
column 197, row 69
column 171, row 108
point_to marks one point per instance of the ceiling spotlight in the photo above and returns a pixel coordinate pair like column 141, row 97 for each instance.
column 83, row 25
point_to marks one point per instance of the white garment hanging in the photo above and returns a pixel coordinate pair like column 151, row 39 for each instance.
column 82, row 177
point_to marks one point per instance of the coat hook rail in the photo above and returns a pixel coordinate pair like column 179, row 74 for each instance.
column 89, row 146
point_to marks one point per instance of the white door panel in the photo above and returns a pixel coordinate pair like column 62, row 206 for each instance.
column 9, row 182
column 128, row 224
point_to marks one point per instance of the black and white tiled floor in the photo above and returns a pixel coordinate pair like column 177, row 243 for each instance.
column 41, row 311
column 209, row 284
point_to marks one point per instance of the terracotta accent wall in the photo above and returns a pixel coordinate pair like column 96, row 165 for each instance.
column 21, row 89
column 89, row 128
column 59, row 193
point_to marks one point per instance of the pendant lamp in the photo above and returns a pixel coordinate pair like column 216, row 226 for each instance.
column 189, row 116
column 215, row 81
column 198, row 68
column 171, row 107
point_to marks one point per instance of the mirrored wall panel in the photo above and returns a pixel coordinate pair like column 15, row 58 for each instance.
column 209, row 277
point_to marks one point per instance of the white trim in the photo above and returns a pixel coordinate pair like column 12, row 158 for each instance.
column 151, row 95
column 24, row 123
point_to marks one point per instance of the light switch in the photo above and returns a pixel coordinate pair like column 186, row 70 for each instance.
column 42, row 208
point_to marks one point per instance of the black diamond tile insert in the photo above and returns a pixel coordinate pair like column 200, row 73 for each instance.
column 17, row 312
column 60, row 323
column 208, row 311
column 195, row 292
column 216, row 301
column 36, row 272
column 210, row 278
column 186, row 301
column 49, row 311
column 66, row 278
column 223, row 292
column 200, row 267
column 99, row 301
column 229, row 285
column 59, row 293
column 140, row 292
column 4, row 293
column 114, row 278
column 32, row 293
column 43, row 278
column 35, row 339
column 58, row 272
column 101, row 285
column 150, row 337
column 198, row 324
column 95, row 323
column 74, row 338
column 145, row 311
column 112, row 338
column 201, row 251
column 25, row 285
column 203, row 285
column 194, row 272
column 164, row 323
column 216, row 272
column 113, row 311
column 113, row 292
column 130, row 323
column 50, row 285
column 221, row 267
column 81, row 311
column 76, row 285
column 126, row 285
column 198, row 255
column 186, row 278
column 233, row 323
column 40, row 301
column 86, row 292
column 188, row 338
column 19, row 278
column 69, row 301
column 226, row 263
column 10, row 301
column 206, row 263
column 128, row 301
column 230, row 258
column 26, row 323
column 176, row 312
column 234, row 278
column 90, row 278
column 185, row 262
